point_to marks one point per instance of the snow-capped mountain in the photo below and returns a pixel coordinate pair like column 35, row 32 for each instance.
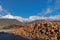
column 31, row 18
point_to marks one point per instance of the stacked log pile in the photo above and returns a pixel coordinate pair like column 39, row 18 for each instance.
column 44, row 30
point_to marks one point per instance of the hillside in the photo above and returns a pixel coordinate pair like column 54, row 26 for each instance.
column 6, row 22
column 44, row 30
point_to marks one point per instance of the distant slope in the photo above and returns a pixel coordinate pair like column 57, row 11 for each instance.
column 42, row 20
column 6, row 22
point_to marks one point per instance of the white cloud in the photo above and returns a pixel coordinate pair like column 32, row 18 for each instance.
column 56, row 17
column 54, row 4
column 45, row 12
column 1, row 9
column 57, row 4
column 7, row 16
column 48, row 10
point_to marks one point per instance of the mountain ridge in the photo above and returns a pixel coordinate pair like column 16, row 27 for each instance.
column 7, row 22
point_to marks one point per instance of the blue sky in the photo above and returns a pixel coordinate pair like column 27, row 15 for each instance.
column 26, row 8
